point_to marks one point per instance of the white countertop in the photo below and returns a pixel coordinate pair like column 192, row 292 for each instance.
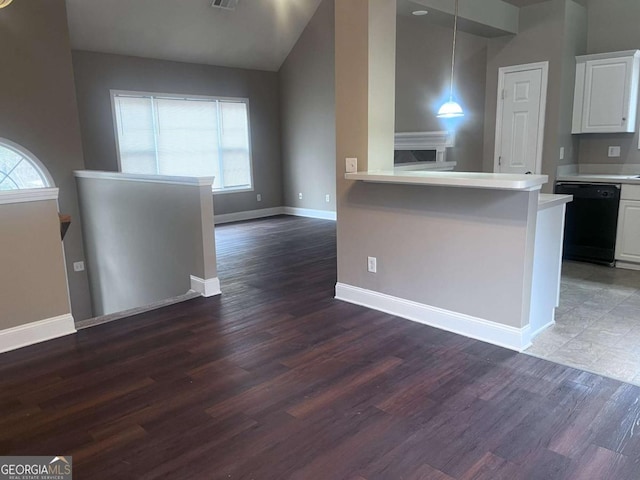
column 495, row 181
column 599, row 178
column 549, row 200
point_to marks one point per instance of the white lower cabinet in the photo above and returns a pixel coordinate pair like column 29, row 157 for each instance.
column 628, row 237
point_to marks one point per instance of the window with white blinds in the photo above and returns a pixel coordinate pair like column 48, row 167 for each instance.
column 196, row 137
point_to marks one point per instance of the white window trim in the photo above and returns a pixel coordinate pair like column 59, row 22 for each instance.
column 37, row 164
column 181, row 96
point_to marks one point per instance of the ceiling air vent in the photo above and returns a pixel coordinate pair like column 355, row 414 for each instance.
column 226, row 4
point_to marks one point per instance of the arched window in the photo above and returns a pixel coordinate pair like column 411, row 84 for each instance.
column 19, row 168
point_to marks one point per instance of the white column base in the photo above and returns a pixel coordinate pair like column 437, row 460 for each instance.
column 207, row 288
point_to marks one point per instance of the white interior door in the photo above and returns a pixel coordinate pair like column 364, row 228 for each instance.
column 522, row 98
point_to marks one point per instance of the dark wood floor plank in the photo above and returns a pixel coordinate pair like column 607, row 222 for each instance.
column 276, row 380
column 344, row 387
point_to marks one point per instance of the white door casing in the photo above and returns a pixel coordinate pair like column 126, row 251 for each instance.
column 520, row 118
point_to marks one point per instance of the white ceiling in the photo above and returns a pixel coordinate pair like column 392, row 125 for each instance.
column 259, row 34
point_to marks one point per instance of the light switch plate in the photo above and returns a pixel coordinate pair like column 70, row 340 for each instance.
column 561, row 153
column 352, row 165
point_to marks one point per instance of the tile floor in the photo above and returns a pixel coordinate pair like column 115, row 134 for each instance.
column 597, row 324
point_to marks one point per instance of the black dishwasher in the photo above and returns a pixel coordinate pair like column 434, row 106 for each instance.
column 591, row 221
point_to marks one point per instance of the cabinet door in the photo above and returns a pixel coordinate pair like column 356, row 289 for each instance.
column 628, row 238
column 607, row 96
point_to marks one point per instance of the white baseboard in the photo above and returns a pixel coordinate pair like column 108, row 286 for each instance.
column 627, row 265
column 207, row 288
column 36, row 332
column 248, row 215
column 513, row 338
column 307, row 212
column 112, row 317
column 271, row 212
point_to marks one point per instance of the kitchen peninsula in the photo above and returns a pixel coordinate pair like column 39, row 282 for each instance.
column 474, row 253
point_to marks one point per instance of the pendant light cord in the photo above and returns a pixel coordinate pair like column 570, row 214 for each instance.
column 453, row 52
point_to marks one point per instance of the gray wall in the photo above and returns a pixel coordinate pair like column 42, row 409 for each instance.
column 38, row 110
column 97, row 73
column 33, row 286
column 613, row 26
column 144, row 240
column 574, row 43
column 459, row 247
column 540, row 39
column 307, row 109
column 423, row 66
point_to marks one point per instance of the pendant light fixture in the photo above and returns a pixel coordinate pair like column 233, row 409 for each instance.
column 452, row 109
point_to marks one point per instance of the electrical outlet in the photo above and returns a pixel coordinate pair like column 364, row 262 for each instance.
column 327, row 198
column 352, row 165
column 372, row 264
column 78, row 266
column 561, row 153
column 614, row 152
column 300, row 196
column 259, row 197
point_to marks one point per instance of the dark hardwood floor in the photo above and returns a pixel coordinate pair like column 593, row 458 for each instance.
column 276, row 380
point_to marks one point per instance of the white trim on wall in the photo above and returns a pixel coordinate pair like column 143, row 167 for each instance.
column 513, row 338
column 207, row 288
column 111, row 317
column 36, row 332
column 136, row 177
column 247, row 215
column 271, row 212
column 309, row 213
column 28, row 195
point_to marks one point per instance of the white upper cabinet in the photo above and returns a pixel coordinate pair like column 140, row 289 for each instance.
column 606, row 94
